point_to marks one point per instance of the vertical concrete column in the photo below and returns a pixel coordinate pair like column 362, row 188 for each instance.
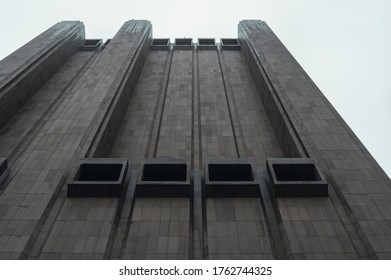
column 360, row 190
column 54, row 152
column 27, row 69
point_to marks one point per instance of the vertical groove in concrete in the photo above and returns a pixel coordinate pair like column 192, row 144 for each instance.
column 200, row 153
column 174, row 136
column 279, row 246
column 236, row 127
column 114, row 105
column 159, row 109
column 282, row 126
column 228, row 106
column 217, row 136
column 140, row 119
column 249, row 111
column 125, row 220
column 123, row 208
column 198, row 223
column 196, row 133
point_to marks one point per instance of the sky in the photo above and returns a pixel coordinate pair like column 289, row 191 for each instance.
column 344, row 46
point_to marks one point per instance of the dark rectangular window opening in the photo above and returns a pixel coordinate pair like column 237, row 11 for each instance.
column 92, row 42
column 91, row 45
column 160, row 42
column 206, row 42
column 296, row 177
column 164, row 172
column 296, row 172
column 183, row 42
column 230, row 172
column 230, row 42
column 98, row 172
column 98, row 177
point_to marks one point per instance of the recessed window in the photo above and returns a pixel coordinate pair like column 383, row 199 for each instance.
column 230, row 44
column 183, row 44
column 160, row 44
column 164, row 177
column 98, row 172
column 203, row 41
column 206, row 44
column 230, row 172
column 90, row 45
column 296, row 177
column 230, row 178
column 165, row 172
column 98, row 177
column 296, row 172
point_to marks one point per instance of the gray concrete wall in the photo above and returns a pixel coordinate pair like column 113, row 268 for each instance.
column 30, row 203
column 131, row 102
column 25, row 124
column 196, row 104
column 355, row 218
column 26, row 70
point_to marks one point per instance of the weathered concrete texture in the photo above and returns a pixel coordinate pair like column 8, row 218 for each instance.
column 188, row 104
column 252, row 121
column 27, row 199
column 122, row 87
column 127, row 101
column 142, row 115
column 237, row 229
column 82, row 229
column 358, row 182
column 174, row 138
column 217, row 135
column 159, row 229
column 26, row 70
column 25, row 124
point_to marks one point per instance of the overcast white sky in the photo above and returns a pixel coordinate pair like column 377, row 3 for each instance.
column 344, row 45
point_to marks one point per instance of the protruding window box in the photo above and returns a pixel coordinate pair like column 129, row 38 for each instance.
column 230, row 178
column 296, row 177
column 3, row 169
column 164, row 178
column 183, row 44
column 91, row 45
column 160, row 44
column 229, row 44
column 206, row 44
column 99, row 177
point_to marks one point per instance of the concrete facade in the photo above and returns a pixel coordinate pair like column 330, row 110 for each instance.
column 130, row 100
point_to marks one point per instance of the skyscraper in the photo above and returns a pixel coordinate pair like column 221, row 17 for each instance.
column 138, row 148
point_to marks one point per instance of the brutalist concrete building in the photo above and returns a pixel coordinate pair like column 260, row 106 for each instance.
column 142, row 148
